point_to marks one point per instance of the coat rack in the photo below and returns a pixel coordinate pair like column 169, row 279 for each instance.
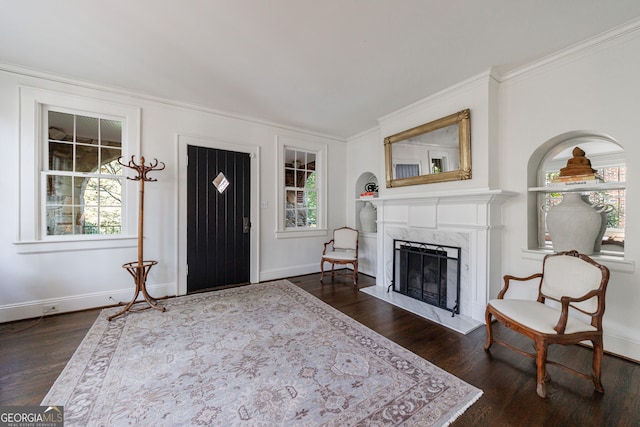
column 139, row 269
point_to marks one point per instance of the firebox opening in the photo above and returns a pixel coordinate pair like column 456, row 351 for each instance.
column 427, row 272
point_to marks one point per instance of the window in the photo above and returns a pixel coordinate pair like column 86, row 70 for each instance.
column 73, row 193
column 406, row 170
column 301, row 201
column 83, row 177
column 609, row 161
column 301, row 189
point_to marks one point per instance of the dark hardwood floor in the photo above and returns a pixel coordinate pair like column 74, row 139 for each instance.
column 34, row 352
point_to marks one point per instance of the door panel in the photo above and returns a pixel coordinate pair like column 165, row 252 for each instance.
column 218, row 228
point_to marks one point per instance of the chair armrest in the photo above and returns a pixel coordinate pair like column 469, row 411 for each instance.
column 564, row 315
column 324, row 251
column 509, row 278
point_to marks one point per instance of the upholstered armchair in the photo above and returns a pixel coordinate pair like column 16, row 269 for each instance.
column 342, row 249
column 570, row 282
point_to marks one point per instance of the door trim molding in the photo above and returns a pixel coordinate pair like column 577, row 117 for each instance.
column 182, row 141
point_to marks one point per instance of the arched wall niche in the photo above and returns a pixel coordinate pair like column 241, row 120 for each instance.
column 363, row 184
column 552, row 154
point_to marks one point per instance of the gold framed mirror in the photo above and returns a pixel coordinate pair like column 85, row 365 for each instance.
column 437, row 151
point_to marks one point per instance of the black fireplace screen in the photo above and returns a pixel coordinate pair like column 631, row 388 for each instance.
column 427, row 272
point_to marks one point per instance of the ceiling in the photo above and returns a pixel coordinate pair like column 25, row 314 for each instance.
column 329, row 66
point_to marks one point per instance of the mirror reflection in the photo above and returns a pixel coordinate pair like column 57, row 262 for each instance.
column 434, row 152
column 431, row 152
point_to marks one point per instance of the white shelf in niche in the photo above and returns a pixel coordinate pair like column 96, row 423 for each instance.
column 603, row 186
column 615, row 262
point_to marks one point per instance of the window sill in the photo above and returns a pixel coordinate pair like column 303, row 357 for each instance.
column 288, row 234
column 613, row 262
column 42, row 246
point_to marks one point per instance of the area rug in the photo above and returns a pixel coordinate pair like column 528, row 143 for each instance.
column 258, row 355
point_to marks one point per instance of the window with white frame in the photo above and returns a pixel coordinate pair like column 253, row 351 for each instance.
column 74, row 194
column 301, row 194
column 608, row 159
column 301, row 191
column 83, row 177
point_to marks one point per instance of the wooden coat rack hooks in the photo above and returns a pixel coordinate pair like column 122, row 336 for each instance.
column 139, row 269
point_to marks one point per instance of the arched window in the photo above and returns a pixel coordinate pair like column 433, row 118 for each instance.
column 608, row 159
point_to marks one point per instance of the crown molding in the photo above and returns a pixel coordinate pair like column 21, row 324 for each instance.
column 113, row 90
column 363, row 133
column 464, row 86
column 601, row 41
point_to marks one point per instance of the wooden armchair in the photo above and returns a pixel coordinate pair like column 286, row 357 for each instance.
column 342, row 249
column 575, row 282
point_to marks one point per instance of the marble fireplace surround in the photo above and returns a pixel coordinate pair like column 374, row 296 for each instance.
column 470, row 220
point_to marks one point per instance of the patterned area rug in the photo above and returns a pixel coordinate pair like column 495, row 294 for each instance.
column 266, row 354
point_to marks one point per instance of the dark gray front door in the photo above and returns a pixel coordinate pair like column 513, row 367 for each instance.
column 218, row 218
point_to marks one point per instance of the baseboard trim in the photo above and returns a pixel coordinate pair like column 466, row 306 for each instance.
column 37, row 308
column 624, row 348
column 281, row 273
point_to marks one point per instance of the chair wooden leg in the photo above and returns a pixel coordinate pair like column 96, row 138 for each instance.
column 541, row 365
column 597, row 363
column 355, row 274
column 487, row 318
column 321, row 270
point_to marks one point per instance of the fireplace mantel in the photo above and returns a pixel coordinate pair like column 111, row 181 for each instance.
column 469, row 219
column 452, row 197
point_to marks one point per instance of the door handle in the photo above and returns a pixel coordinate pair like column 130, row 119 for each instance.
column 246, row 225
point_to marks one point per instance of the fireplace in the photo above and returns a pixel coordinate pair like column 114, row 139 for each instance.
column 427, row 272
column 469, row 220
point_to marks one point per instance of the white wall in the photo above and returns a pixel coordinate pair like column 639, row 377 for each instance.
column 477, row 218
column 365, row 153
column 475, row 94
column 80, row 279
column 590, row 87
column 594, row 89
